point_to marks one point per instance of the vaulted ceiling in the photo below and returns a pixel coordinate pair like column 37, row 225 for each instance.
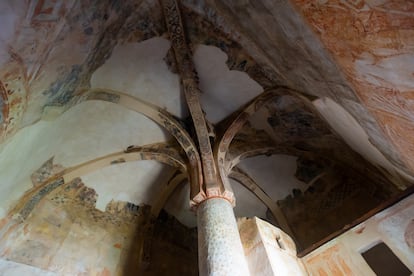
column 80, row 82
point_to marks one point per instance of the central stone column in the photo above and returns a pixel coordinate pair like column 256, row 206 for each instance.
column 219, row 245
column 220, row 251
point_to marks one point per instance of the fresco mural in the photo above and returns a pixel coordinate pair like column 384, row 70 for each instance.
column 213, row 90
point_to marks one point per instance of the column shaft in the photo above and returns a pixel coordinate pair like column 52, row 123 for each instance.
column 220, row 251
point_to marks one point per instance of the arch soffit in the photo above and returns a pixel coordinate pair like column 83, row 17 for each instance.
column 157, row 115
column 166, row 120
column 163, row 153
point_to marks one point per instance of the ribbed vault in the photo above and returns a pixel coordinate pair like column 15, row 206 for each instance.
column 168, row 104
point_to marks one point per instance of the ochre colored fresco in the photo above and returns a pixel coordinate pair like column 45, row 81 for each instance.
column 67, row 235
column 56, row 227
column 372, row 43
column 329, row 262
column 55, row 46
column 343, row 255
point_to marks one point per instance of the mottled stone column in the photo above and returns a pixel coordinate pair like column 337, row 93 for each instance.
column 220, row 251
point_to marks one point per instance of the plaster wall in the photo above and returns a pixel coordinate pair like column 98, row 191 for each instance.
column 136, row 182
column 66, row 235
column 178, row 205
column 139, row 70
column 372, row 43
column 349, row 129
column 268, row 250
column 10, row 12
column 247, row 204
column 42, row 50
column 354, row 135
column 344, row 50
column 342, row 255
column 274, row 174
column 93, row 129
column 224, row 90
column 85, row 132
column 11, row 268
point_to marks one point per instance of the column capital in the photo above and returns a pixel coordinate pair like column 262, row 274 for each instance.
column 213, row 193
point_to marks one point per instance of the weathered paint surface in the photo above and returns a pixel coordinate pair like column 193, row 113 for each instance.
column 268, row 250
column 49, row 49
column 11, row 268
column 342, row 255
column 59, row 235
column 289, row 53
column 189, row 80
column 335, row 198
column 372, row 43
column 409, row 234
column 52, row 51
column 67, row 235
